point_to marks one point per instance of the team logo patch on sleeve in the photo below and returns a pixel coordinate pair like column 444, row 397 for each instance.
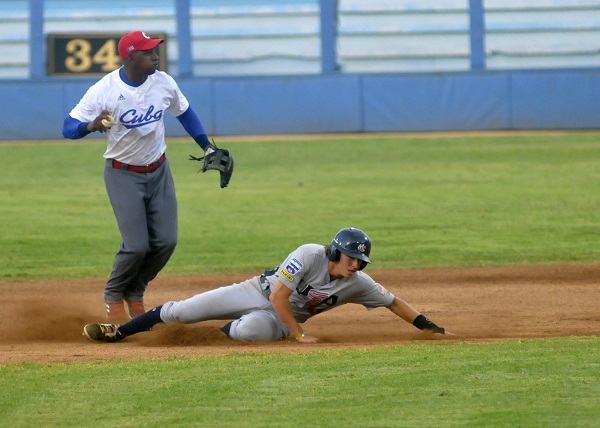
column 293, row 266
column 381, row 289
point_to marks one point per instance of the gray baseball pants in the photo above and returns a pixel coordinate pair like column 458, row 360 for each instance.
column 246, row 302
column 145, row 207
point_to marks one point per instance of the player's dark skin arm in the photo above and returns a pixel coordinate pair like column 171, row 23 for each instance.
column 97, row 124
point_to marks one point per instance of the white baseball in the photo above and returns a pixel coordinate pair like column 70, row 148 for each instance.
column 108, row 122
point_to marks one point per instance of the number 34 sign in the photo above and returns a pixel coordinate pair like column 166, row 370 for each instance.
column 90, row 54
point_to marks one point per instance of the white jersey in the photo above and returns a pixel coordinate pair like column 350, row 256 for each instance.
column 305, row 271
column 138, row 137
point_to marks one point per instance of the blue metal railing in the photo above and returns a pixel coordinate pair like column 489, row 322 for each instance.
column 477, row 27
column 328, row 35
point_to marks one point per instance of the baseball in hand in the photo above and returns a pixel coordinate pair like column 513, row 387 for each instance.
column 108, row 122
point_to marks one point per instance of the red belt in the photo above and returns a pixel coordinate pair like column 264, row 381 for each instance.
column 139, row 168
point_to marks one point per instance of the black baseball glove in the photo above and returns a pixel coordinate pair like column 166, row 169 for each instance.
column 217, row 159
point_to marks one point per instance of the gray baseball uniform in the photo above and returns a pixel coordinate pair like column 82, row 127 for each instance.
column 305, row 271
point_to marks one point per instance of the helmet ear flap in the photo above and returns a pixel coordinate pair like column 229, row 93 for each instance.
column 333, row 254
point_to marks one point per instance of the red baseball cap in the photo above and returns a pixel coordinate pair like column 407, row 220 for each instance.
column 136, row 41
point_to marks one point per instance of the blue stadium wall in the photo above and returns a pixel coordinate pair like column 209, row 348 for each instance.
column 340, row 103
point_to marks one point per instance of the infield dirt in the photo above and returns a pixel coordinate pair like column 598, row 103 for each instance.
column 42, row 321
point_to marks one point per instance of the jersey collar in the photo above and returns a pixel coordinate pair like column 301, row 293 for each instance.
column 127, row 82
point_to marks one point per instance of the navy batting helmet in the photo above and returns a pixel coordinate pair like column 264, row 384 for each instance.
column 352, row 242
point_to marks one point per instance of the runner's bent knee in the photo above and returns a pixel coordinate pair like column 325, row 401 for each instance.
column 256, row 326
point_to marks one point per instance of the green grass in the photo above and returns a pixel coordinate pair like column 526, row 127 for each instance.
column 542, row 383
column 425, row 202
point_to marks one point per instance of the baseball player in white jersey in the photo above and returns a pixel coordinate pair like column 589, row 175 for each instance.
column 312, row 279
column 129, row 104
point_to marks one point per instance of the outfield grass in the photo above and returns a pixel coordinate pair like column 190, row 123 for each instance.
column 541, row 383
column 425, row 202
